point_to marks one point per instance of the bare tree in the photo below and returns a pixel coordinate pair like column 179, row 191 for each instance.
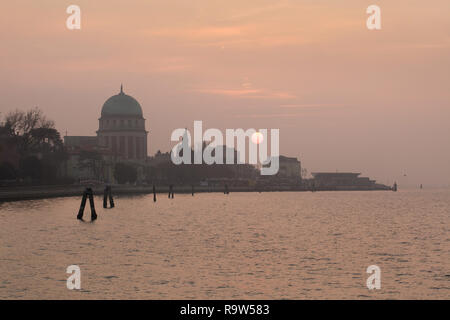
column 22, row 122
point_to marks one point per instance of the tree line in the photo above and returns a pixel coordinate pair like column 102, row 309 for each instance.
column 31, row 149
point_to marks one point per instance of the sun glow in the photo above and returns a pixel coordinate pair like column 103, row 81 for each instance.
column 257, row 137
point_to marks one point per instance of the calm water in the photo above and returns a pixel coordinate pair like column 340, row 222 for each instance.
column 241, row 246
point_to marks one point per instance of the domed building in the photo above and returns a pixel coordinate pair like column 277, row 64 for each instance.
column 122, row 128
column 121, row 137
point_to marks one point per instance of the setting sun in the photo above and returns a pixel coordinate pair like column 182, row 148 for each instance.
column 257, row 137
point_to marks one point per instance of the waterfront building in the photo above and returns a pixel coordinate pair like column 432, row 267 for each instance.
column 289, row 168
column 122, row 128
column 344, row 180
column 121, row 137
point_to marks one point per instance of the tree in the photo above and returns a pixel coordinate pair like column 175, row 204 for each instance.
column 91, row 160
column 45, row 140
column 31, row 167
column 22, row 122
column 124, row 173
column 7, row 171
column 37, row 142
column 23, row 127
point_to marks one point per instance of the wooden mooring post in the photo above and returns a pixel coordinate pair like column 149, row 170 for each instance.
column 108, row 193
column 87, row 193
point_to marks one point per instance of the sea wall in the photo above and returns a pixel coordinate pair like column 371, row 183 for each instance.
column 43, row 192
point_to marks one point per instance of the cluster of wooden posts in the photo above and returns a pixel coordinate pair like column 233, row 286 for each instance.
column 89, row 193
column 107, row 193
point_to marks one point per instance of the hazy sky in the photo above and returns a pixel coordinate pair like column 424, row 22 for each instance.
column 344, row 98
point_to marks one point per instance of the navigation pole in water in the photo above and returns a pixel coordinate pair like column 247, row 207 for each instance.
column 108, row 192
column 87, row 193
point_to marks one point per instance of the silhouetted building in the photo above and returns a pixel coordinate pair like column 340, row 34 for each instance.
column 121, row 137
column 289, row 167
column 122, row 127
column 80, row 142
column 343, row 180
column 121, row 130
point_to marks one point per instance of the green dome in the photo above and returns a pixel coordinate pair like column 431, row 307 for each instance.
column 121, row 105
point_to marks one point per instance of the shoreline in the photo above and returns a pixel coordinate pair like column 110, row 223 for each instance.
column 47, row 192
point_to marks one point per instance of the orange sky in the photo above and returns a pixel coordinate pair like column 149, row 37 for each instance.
column 344, row 98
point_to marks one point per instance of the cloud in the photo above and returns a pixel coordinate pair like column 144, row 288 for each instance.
column 268, row 115
column 248, row 93
column 246, row 90
column 313, row 105
column 205, row 32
